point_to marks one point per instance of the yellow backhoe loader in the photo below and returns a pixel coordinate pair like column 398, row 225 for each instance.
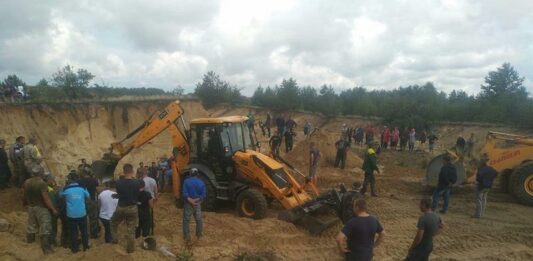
column 226, row 153
column 511, row 155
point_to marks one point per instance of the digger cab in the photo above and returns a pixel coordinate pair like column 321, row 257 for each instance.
column 213, row 142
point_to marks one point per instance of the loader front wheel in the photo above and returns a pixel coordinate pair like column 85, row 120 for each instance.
column 522, row 183
column 251, row 204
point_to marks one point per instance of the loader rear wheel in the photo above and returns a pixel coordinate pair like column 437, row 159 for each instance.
column 251, row 204
column 521, row 183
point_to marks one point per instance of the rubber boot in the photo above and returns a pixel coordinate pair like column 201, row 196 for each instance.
column 45, row 245
column 30, row 238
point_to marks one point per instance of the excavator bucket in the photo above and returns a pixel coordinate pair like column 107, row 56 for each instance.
column 315, row 215
column 104, row 169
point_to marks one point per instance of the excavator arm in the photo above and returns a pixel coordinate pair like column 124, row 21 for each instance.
column 168, row 118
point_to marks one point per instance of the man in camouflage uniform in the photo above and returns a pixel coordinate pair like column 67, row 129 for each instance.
column 39, row 207
column 16, row 155
column 32, row 156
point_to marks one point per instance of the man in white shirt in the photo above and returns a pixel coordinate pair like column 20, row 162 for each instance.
column 108, row 205
column 150, row 185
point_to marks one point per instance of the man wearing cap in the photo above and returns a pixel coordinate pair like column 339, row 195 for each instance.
column 370, row 165
column 193, row 193
column 39, row 207
column 447, row 177
column 75, row 196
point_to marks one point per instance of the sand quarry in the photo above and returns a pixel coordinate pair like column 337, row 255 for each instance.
column 68, row 132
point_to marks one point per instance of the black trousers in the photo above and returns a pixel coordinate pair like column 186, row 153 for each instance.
column 144, row 228
column 107, row 230
column 288, row 145
column 76, row 225
column 340, row 159
column 418, row 255
column 369, row 179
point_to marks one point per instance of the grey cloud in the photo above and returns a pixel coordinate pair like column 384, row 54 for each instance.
column 164, row 43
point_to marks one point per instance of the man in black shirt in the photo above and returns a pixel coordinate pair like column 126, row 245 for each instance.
column 143, row 207
column 153, row 170
column 342, row 146
column 90, row 184
column 289, row 139
column 447, row 177
column 460, row 145
column 128, row 190
column 357, row 239
column 429, row 225
column 484, row 178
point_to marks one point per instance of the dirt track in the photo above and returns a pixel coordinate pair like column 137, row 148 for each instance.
column 505, row 234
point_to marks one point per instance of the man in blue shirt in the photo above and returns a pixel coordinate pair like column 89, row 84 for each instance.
column 75, row 197
column 485, row 177
column 193, row 194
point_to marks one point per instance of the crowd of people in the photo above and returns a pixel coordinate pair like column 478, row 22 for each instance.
column 80, row 207
column 83, row 205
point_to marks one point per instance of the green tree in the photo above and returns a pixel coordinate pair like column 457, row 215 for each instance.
column 288, row 95
column 212, row 90
column 178, row 91
column 74, row 83
column 13, row 81
column 505, row 80
column 328, row 103
column 42, row 83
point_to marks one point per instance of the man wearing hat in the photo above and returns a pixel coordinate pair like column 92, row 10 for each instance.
column 39, row 207
column 370, row 164
column 193, row 193
column 447, row 177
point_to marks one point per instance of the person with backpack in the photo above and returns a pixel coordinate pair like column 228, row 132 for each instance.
column 447, row 177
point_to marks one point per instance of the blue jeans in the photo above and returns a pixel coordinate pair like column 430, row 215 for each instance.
column 73, row 225
column 445, row 192
column 189, row 210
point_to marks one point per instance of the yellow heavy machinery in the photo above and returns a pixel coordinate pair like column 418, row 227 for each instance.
column 511, row 155
column 226, row 153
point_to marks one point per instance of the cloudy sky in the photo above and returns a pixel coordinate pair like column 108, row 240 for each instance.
column 165, row 43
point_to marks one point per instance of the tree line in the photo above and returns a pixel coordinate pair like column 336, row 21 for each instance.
column 69, row 84
column 502, row 99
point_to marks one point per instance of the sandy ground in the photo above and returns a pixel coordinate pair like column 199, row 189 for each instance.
column 506, row 233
